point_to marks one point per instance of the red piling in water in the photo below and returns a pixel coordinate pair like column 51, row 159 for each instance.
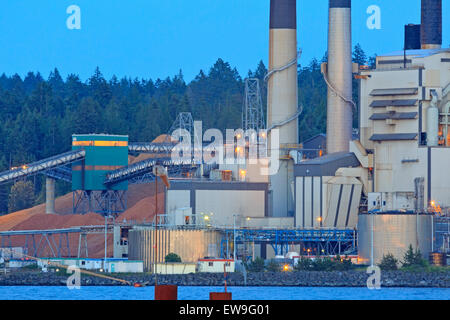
column 220, row 296
column 166, row 292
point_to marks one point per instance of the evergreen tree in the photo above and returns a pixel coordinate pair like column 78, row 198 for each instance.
column 87, row 118
column 373, row 61
column 256, row 265
column 172, row 257
column 21, row 196
column 388, row 262
column 56, row 82
column 413, row 258
column 359, row 56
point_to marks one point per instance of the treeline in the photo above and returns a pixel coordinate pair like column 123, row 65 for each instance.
column 38, row 116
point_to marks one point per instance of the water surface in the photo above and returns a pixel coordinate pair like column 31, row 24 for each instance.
column 239, row 293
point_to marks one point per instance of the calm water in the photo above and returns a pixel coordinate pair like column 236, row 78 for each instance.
column 239, row 293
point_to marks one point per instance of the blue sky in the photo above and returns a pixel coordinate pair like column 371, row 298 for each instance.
column 156, row 38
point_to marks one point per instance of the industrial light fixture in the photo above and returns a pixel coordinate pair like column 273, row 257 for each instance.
column 161, row 172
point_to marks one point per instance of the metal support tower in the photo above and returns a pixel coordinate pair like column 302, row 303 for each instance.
column 183, row 121
column 441, row 237
column 252, row 112
column 105, row 202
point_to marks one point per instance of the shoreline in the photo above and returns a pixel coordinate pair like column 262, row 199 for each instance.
column 389, row 279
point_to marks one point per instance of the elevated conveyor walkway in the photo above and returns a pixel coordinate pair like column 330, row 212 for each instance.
column 42, row 166
column 132, row 172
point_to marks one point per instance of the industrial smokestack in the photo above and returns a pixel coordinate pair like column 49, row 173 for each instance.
column 412, row 36
column 431, row 29
column 282, row 97
column 282, row 85
column 339, row 77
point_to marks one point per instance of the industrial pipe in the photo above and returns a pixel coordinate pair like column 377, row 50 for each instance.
column 433, row 121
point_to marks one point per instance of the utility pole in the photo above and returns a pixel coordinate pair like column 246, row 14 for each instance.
column 156, row 228
column 158, row 171
column 234, row 237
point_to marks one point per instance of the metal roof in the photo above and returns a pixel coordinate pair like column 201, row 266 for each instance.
column 393, row 103
column 419, row 53
column 326, row 165
column 394, row 91
column 394, row 116
column 393, row 136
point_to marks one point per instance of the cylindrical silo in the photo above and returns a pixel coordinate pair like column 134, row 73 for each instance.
column 339, row 74
column 393, row 233
column 190, row 245
column 282, row 97
column 431, row 30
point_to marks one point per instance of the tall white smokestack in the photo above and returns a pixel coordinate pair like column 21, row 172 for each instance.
column 282, row 98
column 282, row 85
column 339, row 110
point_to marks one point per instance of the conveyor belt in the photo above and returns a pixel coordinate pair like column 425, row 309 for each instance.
column 143, row 147
column 55, row 167
column 60, row 173
column 42, row 166
column 142, row 168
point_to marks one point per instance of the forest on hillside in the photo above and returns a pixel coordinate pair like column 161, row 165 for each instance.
column 38, row 116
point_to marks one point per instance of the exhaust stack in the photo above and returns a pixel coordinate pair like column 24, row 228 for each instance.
column 282, row 85
column 431, row 29
column 339, row 74
column 282, row 99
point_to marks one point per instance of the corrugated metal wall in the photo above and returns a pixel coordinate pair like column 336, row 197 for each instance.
column 190, row 245
column 327, row 202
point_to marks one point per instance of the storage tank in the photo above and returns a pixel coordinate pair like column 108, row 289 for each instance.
column 104, row 153
column 190, row 245
column 393, row 233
